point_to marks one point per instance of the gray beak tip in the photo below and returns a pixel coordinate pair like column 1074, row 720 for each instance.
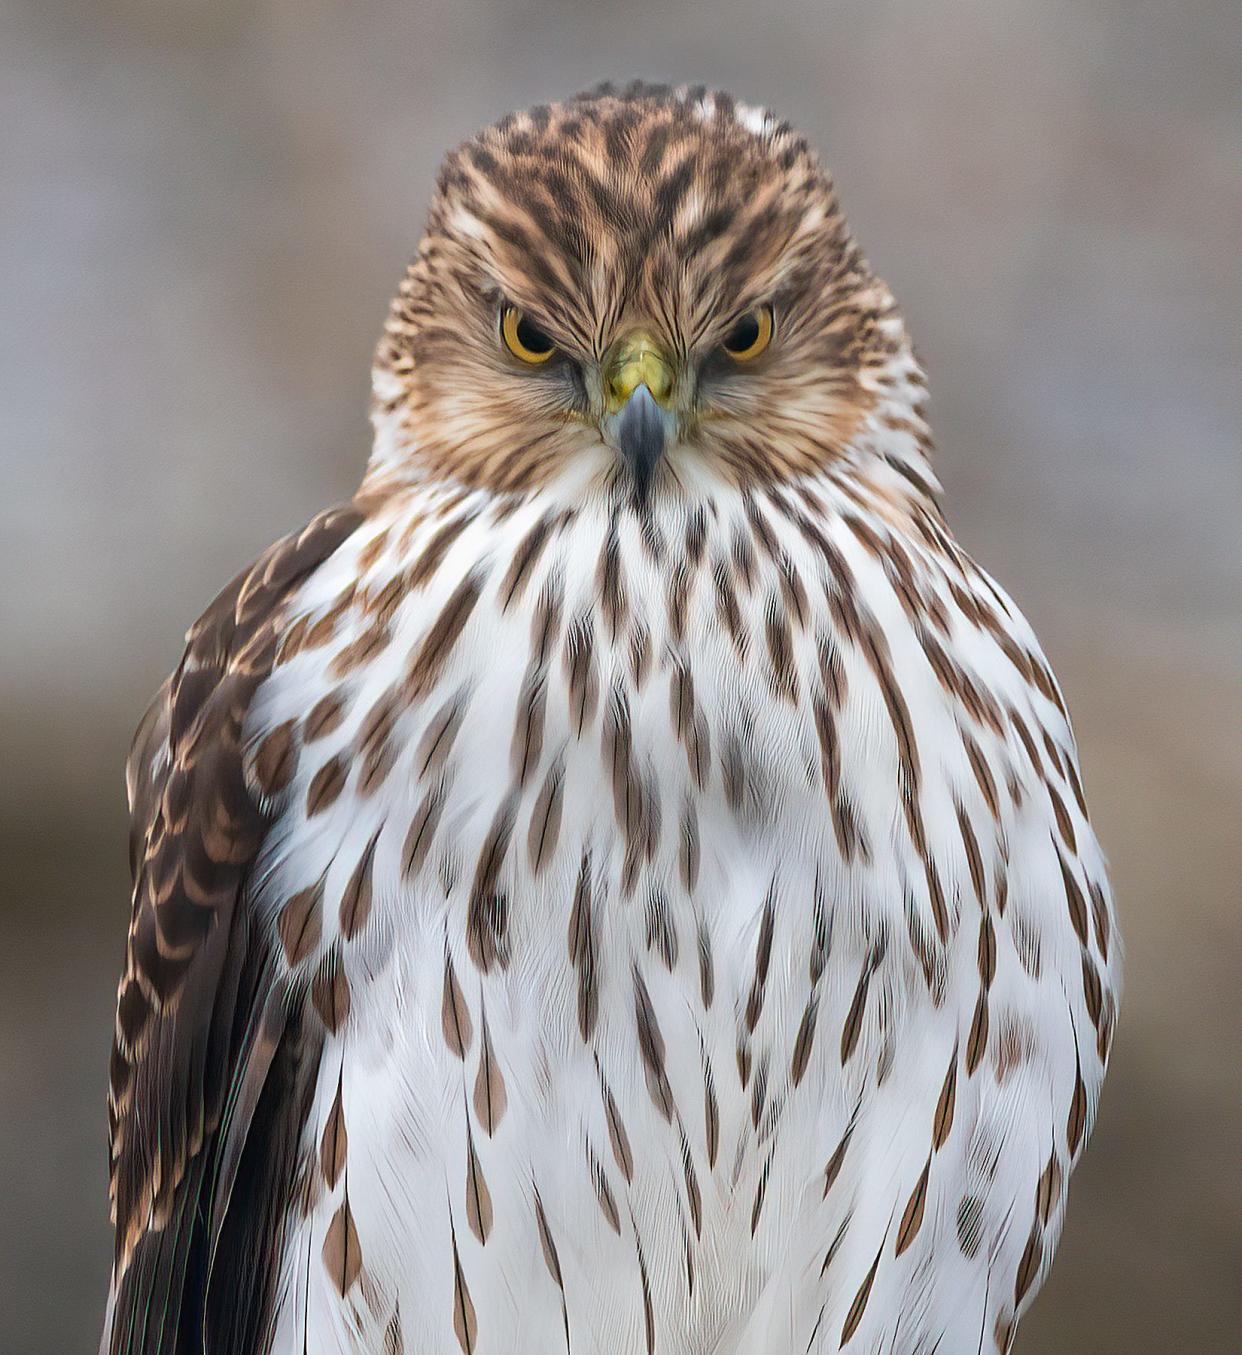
column 641, row 433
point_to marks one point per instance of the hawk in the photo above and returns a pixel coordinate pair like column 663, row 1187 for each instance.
column 622, row 883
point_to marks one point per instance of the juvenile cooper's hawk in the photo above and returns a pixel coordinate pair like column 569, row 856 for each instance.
column 622, row 884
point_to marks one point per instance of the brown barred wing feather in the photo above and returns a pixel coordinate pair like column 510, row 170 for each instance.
column 211, row 1072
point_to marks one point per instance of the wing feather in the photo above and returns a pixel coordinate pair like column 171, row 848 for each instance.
column 210, row 1064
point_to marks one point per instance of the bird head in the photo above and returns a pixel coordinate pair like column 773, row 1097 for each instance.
column 645, row 290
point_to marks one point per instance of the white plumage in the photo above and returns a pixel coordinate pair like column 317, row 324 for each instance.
column 756, row 1226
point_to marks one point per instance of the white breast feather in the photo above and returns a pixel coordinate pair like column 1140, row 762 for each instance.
column 669, row 1178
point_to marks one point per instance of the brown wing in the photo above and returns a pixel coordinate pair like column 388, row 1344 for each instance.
column 210, row 1072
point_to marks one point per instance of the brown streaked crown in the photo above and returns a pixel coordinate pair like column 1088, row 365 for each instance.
column 677, row 211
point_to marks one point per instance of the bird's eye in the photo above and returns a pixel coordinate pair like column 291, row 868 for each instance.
column 750, row 336
column 523, row 338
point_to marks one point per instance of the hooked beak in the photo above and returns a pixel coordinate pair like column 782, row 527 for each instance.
column 638, row 386
column 641, row 435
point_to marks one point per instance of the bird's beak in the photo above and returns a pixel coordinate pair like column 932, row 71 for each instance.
column 638, row 390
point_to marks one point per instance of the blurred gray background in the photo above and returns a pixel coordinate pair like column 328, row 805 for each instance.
column 204, row 205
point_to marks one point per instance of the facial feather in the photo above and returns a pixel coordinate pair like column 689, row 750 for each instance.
column 671, row 211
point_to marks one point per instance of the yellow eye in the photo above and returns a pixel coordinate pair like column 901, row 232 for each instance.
column 750, row 336
column 523, row 338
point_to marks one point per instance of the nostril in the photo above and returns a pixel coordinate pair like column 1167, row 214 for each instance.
column 658, row 380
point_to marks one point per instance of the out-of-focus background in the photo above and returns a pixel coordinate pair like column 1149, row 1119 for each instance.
column 204, row 205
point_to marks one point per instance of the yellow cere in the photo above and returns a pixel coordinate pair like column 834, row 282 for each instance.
column 637, row 360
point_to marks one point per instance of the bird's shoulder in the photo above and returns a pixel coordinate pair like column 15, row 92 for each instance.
column 190, row 1001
